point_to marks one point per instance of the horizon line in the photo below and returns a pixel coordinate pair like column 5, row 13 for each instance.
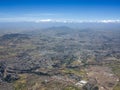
column 58, row 20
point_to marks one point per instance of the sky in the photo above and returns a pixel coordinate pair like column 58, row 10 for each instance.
column 60, row 10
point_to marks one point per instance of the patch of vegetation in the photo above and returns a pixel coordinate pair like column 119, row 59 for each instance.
column 21, row 83
column 77, row 72
column 71, row 88
column 117, row 87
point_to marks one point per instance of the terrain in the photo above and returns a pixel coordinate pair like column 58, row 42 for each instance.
column 60, row 58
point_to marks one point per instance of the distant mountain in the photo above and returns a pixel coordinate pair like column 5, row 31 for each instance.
column 22, row 26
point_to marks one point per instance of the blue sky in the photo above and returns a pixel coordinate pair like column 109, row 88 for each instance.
column 73, row 10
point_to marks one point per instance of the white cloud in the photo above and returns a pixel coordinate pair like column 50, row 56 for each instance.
column 43, row 20
column 79, row 21
column 36, row 20
column 54, row 20
column 109, row 21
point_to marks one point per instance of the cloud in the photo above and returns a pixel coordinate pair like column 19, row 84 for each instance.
column 78, row 21
column 109, row 21
column 43, row 20
column 37, row 20
column 53, row 20
column 16, row 19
